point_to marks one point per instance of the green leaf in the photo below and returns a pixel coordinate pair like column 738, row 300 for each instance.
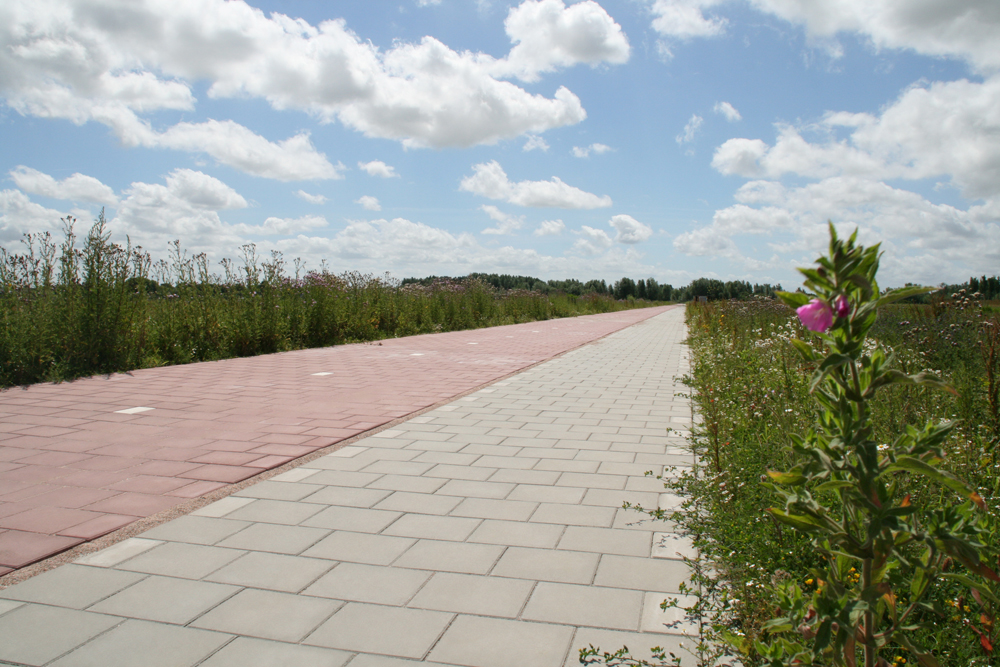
column 942, row 477
column 804, row 523
column 790, row 478
column 794, row 299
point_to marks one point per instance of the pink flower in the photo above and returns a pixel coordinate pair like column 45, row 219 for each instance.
column 816, row 316
column 841, row 306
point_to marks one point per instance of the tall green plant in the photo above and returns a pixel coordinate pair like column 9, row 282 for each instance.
column 884, row 548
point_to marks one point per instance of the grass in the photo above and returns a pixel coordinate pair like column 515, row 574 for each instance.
column 86, row 307
column 751, row 391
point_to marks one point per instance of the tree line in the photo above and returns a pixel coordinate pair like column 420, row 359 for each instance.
column 645, row 288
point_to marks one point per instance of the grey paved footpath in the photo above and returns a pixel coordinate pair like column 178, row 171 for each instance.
column 485, row 533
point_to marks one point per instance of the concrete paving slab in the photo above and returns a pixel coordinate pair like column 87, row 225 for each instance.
column 570, row 567
column 369, row 583
column 268, row 615
column 159, row 644
column 252, row 652
column 73, row 586
column 394, row 631
column 167, row 599
column 35, row 634
column 472, row 594
column 451, row 556
column 492, row 642
column 175, row 559
column 271, row 571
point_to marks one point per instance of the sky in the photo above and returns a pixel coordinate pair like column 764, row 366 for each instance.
column 672, row 139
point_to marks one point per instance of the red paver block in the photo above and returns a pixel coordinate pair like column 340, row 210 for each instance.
column 219, row 473
column 48, row 520
column 18, row 548
column 134, row 504
column 226, row 458
column 102, row 525
column 73, row 497
column 197, row 489
column 268, row 462
column 149, row 484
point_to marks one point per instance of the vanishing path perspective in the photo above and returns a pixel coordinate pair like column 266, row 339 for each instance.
column 81, row 459
column 487, row 532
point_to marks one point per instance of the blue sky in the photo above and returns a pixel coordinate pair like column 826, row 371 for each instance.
column 671, row 139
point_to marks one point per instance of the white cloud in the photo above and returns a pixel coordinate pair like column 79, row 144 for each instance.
column 378, row 168
column 234, row 145
column 964, row 29
column 506, row 223
column 288, row 226
column 427, row 3
column 550, row 228
column 690, row 129
column 534, row 142
column 707, row 241
column 203, row 191
column 629, row 229
column 727, row 110
column 186, row 207
column 923, row 241
column 414, row 248
column 945, row 129
column 73, row 188
column 22, row 216
column 312, row 199
column 86, row 62
column 548, row 35
column 683, row 19
column 369, row 203
column 491, row 181
column 593, row 242
column 598, row 149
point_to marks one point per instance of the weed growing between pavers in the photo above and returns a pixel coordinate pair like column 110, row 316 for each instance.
column 751, row 389
column 68, row 311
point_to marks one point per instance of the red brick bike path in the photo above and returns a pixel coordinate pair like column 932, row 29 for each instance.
column 81, row 459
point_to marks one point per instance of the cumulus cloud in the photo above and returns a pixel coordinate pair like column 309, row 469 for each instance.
column 550, row 228
column 73, row 188
column 20, row 215
column 289, row 226
column 535, row 142
column 234, row 145
column 312, row 199
column 506, row 223
column 948, row 242
column 185, row 207
column 947, row 129
column 964, row 29
column 491, row 181
column 378, row 168
column 690, row 129
column 83, row 62
column 548, row 35
column 727, row 110
column 629, row 230
column 414, row 248
column 597, row 149
column 369, row 203
column 707, row 241
column 684, row 19
column 592, row 241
